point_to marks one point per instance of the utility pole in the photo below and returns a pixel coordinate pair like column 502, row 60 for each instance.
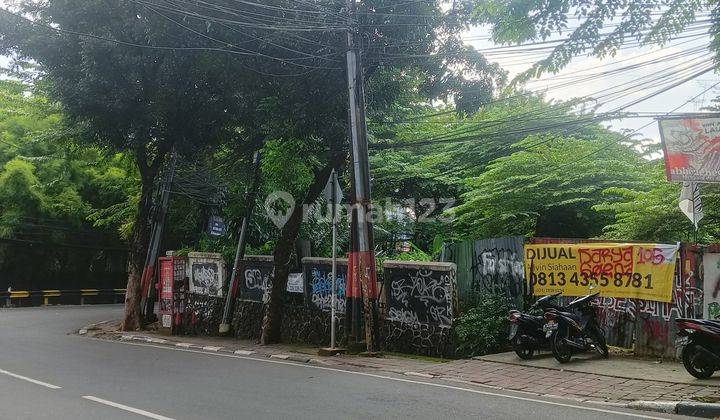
column 361, row 269
column 250, row 194
column 148, row 276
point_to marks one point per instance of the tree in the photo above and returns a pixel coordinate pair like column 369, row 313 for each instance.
column 519, row 195
column 643, row 21
column 650, row 212
column 49, row 189
column 442, row 155
column 145, row 78
column 143, row 101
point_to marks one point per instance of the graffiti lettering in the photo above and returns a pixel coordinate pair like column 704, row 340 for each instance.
column 606, row 260
column 421, row 296
column 255, row 280
column 205, row 279
column 321, row 290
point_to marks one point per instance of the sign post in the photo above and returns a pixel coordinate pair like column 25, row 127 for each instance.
column 334, row 195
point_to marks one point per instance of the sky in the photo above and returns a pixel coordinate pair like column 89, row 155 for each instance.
column 665, row 102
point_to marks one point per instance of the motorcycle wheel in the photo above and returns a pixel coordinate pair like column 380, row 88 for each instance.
column 560, row 350
column 523, row 351
column 688, row 354
column 600, row 344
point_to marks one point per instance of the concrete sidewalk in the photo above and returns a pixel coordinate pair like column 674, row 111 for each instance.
column 616, row 380
column 618, row 366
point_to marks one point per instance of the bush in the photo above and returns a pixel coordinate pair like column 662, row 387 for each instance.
column 484, row 328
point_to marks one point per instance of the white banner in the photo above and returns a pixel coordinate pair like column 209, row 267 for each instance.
column 692, row 149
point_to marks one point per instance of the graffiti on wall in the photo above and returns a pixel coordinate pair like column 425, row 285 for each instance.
column 320, row 288
column 420, row 295
column 206, row 279
column 489, row 266
column 257, row 284
column 650, row 324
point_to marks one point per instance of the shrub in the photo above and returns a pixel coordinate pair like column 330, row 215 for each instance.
column 483, row 329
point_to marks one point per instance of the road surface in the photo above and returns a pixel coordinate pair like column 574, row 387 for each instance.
column 48, row 373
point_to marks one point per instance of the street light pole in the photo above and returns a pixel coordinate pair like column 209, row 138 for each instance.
column 250, row 194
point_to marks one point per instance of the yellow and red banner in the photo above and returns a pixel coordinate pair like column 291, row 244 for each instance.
column 642, row 271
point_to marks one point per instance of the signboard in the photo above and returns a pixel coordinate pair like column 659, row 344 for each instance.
column 167, row 279
column 216, row 226
column 692, row 149
column 615, row 270
column 295, row 283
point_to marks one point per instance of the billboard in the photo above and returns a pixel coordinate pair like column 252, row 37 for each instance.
column 692, row 148
column 640, row 271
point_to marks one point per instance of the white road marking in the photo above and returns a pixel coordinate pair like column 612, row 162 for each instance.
column 25, row 378
column 280, row 356
column 212, row 348
column 127, row 408
column 390, row 378
column 420, row 374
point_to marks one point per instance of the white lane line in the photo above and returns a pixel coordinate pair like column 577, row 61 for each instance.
column 25, row 378
column 127, row 408
column 390, row 378
column 212, row 348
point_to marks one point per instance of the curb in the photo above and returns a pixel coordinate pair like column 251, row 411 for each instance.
column 686, row 408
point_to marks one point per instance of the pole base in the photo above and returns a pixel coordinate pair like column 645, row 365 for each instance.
column 330, row 351
column 355, row 347
column 224, row 329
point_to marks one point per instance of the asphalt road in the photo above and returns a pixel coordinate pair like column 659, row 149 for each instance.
column 47, row 373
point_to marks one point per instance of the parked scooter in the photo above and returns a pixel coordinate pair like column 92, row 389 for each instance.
column 700, row 343
column 526, row 330
column 575, row 330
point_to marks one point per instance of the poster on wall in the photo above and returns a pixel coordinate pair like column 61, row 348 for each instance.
column 711, row 295
column 692, row 149
column 642, row 271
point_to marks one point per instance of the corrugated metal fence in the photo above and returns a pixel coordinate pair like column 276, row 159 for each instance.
column 495, row 265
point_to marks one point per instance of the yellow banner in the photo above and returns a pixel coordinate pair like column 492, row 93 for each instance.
column 615, row 270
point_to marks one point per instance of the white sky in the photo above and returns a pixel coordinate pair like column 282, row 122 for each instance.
column 664, row 102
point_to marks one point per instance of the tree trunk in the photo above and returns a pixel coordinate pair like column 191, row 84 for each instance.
column 272, row 321
column 139, row 243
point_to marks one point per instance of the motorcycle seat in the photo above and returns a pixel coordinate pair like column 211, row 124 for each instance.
column 570, row 315
column 536, row 319
column 712, row 322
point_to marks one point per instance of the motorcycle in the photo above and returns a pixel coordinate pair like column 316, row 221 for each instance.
column 526, row 330
column 700, row 343
column 577, row 331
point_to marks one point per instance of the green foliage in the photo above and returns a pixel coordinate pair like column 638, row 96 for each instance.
column 650, row 212
column 415, row 254
column 483, row 329
column 518, row 195
column 646, row 21
column 49, row 187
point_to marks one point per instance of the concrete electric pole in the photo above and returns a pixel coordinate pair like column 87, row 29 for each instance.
column 361, row 267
